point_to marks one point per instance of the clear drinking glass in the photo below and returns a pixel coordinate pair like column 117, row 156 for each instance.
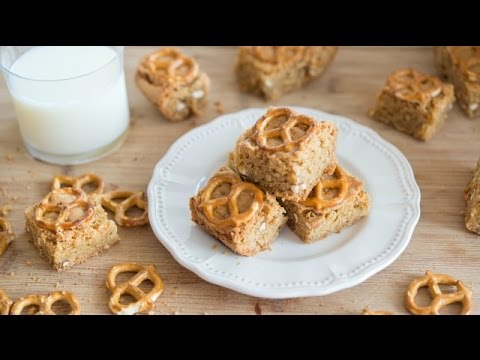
column 71, row 101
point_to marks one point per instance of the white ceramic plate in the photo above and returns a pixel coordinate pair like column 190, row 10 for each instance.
column 291, row 268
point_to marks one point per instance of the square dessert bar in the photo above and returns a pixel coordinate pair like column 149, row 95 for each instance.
column 472, row 197
column 271, row 71
column 461, row 66
column 337, row 202
column 67, row 228
column 173, row 82
column 286, row 153
column 237, row 213
column 414, row 103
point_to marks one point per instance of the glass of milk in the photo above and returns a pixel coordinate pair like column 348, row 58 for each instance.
column 71, row 101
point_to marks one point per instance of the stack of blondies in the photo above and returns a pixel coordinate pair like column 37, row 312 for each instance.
column 283, row 170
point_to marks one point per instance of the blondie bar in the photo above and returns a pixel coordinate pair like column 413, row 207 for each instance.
column 67, row 228
column 472, row 197
column 272, row 71
column 173, row 82
column 461, row 66
column 335, row 203
column 286, row 153
column 414, row 103
column 237, row 213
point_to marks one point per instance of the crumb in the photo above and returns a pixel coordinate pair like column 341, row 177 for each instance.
column 28, row 187
column 12, row 273
column 57, row 285
column 224, row 252
column 214, row 246
column 14, row 198
column 28, row 263
column 5, row 209
column 219, row 107
column 9, row 157
column 3, row 191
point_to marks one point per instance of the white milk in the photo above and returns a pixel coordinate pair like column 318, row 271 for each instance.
column 85, row 111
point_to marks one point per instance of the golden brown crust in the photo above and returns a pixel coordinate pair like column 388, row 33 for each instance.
column 143, row 302
column 439, row 299
column 173, row 82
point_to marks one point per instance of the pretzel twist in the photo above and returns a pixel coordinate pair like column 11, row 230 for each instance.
column 45, row 303
column 171, row 65
column 120, row 208
column 230, row 200
column 67, row 203
column 79, row 182
column 144, row 302
column 439, row 299
column 283, row 130
column 316, row 199
column 410, row 85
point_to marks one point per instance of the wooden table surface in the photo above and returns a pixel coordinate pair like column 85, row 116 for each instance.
column 442, row 168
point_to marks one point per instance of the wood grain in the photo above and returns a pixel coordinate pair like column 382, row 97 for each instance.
column 442, row 168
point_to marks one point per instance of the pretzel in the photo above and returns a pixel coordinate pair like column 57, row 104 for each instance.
column 5, row 303
column 410, row 85
column 208, row 204
column 45, row 303
column 72, row 206
column 430, row 280
column 283, row 130
column 378, row 312
column 172, row 65
column 120, row 208
column 144, row 302
column 6, row 235
column 278, row 54
column 467, row 58
column 79, row 182
column 316, row 198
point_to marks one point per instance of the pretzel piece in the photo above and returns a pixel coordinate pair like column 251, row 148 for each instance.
column 439, row 299
column 316, row 199
column 171, row 65
column 410, row 85
column 6, row 235
column 5, row 303
column 280, row 124
column 120, row 208
column 144, row 302
column 208, row 203
column 79, row 182
column 45, row 303
column 63, row 208
column 376, row 312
